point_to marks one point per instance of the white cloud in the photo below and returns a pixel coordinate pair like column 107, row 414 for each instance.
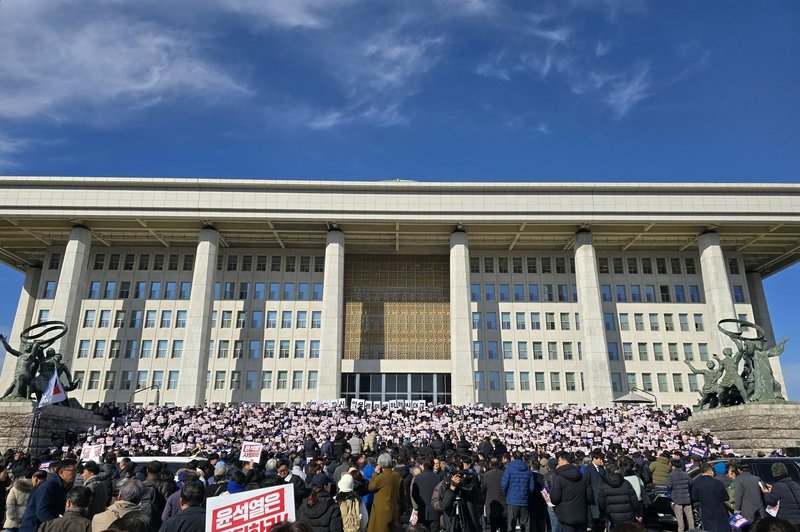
column 601, row 49
column 378, row 75
column 629, row 90
column 9, row 147
column 493, row 67
column 554, row 36
column 467, row 7
column 88, row 63
column 285, row 13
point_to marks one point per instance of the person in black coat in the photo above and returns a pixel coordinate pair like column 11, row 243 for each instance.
column 617, row 499
column 462, row 502
column 571, row 494
column 494, row 501
column 786, row 492
column 712, row 496
column 320, row 510
column 596, row 473
column 679, row 485
column 422, row 492
column 48, row 500
column 192, row 517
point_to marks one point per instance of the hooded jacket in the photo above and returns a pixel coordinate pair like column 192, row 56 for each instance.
column 16, row 501
column 618, row 500
column 517, row 483
column 571, row 494
column 323, row 516
column 660, row 469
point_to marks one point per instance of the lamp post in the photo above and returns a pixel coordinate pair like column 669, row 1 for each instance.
column 651, row 394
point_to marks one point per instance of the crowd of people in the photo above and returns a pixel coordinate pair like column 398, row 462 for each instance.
column 538, row 428
column 456, row 469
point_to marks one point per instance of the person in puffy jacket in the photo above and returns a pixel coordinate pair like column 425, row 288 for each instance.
column 571, row 494
column 679, row 484
column 661, row 469
column 786, row 492
column 320, row 510
column 618, row 501
column 16, row 501
column 517, row 485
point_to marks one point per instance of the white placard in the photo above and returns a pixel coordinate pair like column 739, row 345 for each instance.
column 251, row 451
column 250, row 510
column 92, row 452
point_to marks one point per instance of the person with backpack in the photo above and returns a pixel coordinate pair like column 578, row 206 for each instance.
column 352, row 508
column 153, row 500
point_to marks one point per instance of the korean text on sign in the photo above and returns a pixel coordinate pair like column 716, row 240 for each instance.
column 252, row 511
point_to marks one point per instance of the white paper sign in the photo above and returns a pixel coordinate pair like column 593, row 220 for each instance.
column 250, row 510
column 177, row 448
column 251, row 451
column 92, row 452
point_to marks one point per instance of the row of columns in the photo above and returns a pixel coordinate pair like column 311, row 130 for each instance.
column 194, row 363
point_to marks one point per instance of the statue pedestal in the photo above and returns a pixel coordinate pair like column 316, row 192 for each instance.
column 54, row 422
column 752, row 427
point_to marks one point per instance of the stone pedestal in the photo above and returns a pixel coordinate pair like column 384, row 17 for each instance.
column 16, row 419
column 751, row 428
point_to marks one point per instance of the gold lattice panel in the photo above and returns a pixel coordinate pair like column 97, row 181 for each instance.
column 397, row 307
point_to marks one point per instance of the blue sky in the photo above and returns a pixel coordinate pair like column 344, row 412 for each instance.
column 569, row 90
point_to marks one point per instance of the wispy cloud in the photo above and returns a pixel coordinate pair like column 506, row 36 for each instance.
column 624, row 93
column 554, row 36
column 59, row 64
column 378, row 75
column 601, row 49
column 9, row 148
column 283, row 13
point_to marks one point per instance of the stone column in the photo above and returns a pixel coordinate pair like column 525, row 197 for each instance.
column 595, row 349
column 719, row 300
column 758, row 301
column 331, row 342
column 22, row 319
column 194, row 361
column 462, row 381
column 70, row 288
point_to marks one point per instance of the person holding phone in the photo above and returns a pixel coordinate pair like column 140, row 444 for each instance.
column 785, row 493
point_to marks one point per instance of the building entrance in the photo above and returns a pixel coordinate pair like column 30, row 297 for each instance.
column 432, row 387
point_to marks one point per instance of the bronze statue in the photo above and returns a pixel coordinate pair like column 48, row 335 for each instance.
column 756, row 383
column 35, row 368
column 28, row 361
column 708, row 394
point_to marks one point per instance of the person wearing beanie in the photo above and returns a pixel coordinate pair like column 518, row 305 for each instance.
column 352, row 508
column 319, row 509
column 785, row 493
column 721, row 474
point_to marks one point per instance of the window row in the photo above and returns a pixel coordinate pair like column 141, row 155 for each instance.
column 663, row 293
column 645, row 382
column 519, row 350
column 277, row 263
column 141, row 290
column 654, row 322
column 262, row 380
column 646, row 265
column 135, row 319
column 130, row 348
column 263, row 348
column 521, row 265
column 522, row 292
column 523, row 320
column 643, row 350
column 126, row 380
column 270, row 291
column 288, row 319
column 510, row 381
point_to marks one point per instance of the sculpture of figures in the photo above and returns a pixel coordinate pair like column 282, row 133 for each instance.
column 28, row 361
column 766, row 387
column 51, row 363
column 730, row 377
column 708, row 394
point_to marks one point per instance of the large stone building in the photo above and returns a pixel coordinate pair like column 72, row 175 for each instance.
column 290, row 291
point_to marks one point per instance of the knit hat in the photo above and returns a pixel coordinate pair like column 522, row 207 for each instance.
column 720, row 468
column 779, row 470
column 345, row 485
column 320, row 480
